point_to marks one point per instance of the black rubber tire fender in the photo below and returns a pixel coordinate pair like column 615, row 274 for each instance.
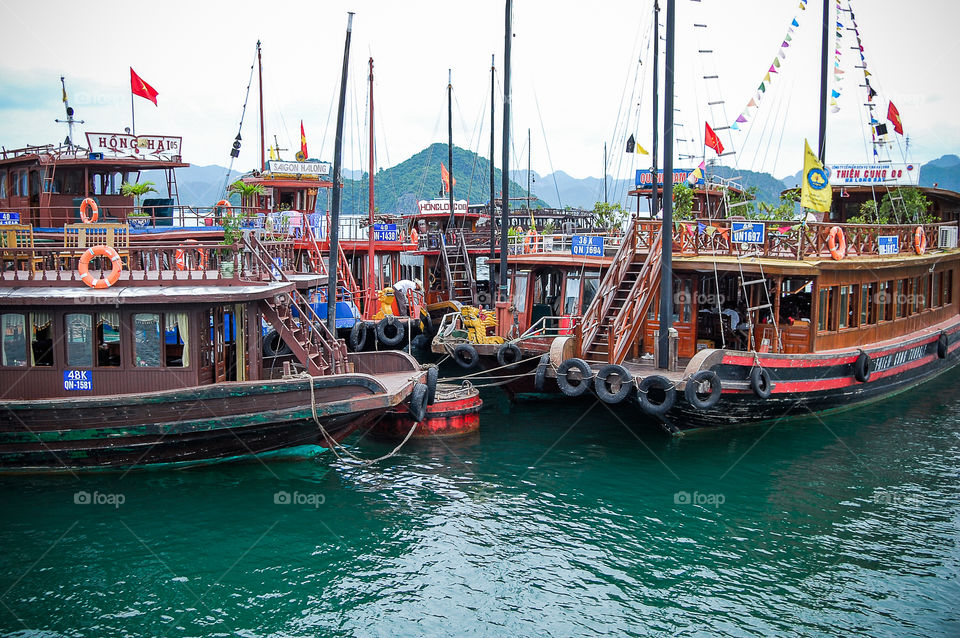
column 943, row 345
column 656, row 382
column 760, row 382
column 508, row 355
column 566, row 386
column 417, row 405
column 433, row 373
column 541, row 377
column 426, row 324
column 691, row 391
column 358, row 336
column 466, row 356
column 604, row 393
column 387, row 324
column 862, row 367
column 274, row 345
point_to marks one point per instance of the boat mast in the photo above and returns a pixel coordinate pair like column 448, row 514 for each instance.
column 70, row 121
column 371, row 259
column 824, row 69
column 605, row 200
column 666, row 260
column 505, row 168
column 654, row 181
column 335, row 203
column 263, row 160
column 450, row 143
column 529, row 153
column 493, row 188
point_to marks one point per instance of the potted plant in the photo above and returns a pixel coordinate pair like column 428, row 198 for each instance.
column 232, row 235
column 549, row 229
column 137, row 218
column 249, row 193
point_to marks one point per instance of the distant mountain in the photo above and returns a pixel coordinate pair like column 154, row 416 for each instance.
column 197, row 185
column 944, row 172
column 560, row 190
column 397, row 189
column 768, row 186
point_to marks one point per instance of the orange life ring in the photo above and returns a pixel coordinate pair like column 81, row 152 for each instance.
column 88, row 205
column 532, row 242
column 920, row 240
column 414, row 236
column 837, row 243
column 181, row 255
column 99, row 251
column 223, row 203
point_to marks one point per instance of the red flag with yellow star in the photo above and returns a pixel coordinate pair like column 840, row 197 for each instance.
column 141, row 88
column 894, row 116
column 303, row 142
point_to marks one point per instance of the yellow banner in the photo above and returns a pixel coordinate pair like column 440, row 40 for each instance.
column 815, row 192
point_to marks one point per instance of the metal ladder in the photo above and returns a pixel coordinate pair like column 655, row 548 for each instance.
column 745, row 285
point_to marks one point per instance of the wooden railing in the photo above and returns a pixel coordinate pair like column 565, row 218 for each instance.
column 626, row 325
column 600, row 306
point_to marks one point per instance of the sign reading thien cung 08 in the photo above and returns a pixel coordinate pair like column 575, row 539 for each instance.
column 854, row 174
column 298, row 168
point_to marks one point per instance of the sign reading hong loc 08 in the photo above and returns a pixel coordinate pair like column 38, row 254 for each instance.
column 160, row 146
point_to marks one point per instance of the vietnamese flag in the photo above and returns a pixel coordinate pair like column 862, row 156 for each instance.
column 445, row 177
column 711, row 140
column 303, row 142
column 894, row 116
column 141, row 88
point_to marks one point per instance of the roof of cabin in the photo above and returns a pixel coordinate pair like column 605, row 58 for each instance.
column 80, row 295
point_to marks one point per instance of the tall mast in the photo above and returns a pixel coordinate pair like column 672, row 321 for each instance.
column 654, row 186
column 666, row 260
column 529, row 154
column 505, row 168
column 263, row 159
column 605, row 173
column 371, row 259
column 450, row 143
column 335, row 204
column 824, row 70
column 70, row 121
column 493, row 188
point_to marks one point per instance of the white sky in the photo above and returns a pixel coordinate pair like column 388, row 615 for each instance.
column 574, row 69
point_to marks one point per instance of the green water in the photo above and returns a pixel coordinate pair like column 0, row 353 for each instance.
column 556, row 520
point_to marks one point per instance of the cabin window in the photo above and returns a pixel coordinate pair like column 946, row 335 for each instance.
column 108, row 340
column 883, row 300
column 177, row 340
column 79, row 339
column 41, row 344
column 14, row 184
column 683, row 296
column 34, row 182
column 823, row 318
column 935, row 289
column 591, row 283
column 14, row 347
column 146, row 344
column 866, row 308
column 947, row 287
column 24, row 177
column 900, row 299
column 3, row 184
column 847, row 315
column 922, row 300
column 519, row 292
column 571, row 295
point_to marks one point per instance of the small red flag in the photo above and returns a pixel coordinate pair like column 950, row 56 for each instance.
column 303, row 142
column 141, row 88
column 711, row 140
column 445, row 176
column 894, row 116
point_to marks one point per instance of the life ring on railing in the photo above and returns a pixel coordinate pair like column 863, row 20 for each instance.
column 920, row 240
column 83, row 268
column 531, row 243
column 180, row 257
column 88, row 205
column 224, row 203
column 837, row 243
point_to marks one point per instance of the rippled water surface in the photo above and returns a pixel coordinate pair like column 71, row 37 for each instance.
column 556, row 520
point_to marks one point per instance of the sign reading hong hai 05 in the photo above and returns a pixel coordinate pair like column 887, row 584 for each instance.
column 136, row 145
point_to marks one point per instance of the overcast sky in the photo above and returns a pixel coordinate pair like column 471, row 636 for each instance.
column 581, row 76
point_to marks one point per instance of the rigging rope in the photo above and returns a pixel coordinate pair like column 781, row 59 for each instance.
column 226, row 179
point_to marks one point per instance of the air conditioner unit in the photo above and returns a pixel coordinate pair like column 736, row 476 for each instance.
column 947, row 237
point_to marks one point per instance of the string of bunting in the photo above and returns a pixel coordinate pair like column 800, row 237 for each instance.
column 706, row 229
column 837, row 71
column 754, row 102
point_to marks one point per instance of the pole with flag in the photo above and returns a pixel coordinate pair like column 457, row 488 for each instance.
column 303, row 143
column 144, row 90
column 815, row 191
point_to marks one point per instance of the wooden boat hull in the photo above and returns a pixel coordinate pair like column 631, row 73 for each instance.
column 804, row 384
column 202, row 424
column 456, row 412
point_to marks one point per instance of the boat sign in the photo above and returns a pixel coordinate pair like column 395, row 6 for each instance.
column 77, row 380
column 9, row 218
column 747, row 232
column 586, row 245
column 888, row 245
column 278, row 167
column 384, row 232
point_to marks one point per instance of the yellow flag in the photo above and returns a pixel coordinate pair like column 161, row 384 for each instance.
column 641, row 150
column 815, row 192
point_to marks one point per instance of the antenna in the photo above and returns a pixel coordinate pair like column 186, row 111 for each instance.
column 70, row 121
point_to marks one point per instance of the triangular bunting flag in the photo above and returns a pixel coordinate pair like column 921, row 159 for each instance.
column 763, row 89
column 766, row 78
column 866, row 73
column 782, row 54
column 741, row 119
column 776, row 62
column 752, row 102
column 735, row 127
column 789, row 38
column 794, row 23
column 835, row 93
column 641, row 150
column 784, row 45
column 773, row 69
column 834, row 109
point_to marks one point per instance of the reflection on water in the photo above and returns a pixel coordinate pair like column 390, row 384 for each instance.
column 556, row 519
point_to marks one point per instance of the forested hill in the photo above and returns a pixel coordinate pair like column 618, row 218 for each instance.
column 397, row 189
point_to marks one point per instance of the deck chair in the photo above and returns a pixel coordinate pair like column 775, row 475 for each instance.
column 81, row 236
column 19, row 236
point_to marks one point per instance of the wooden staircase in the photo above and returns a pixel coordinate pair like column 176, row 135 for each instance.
column 318, row 263
column 616, row 316
column 311, row 342
column 458, row 271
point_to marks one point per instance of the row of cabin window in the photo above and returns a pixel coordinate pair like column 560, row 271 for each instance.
column 882, row 300
column 88, row 340
column 23, row 183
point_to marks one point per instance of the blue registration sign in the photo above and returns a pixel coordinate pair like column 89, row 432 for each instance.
column 747, row 232
column 9, row 218
column 888, row 245
column 384, row 232
column 586, row 245
column 77, row 380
